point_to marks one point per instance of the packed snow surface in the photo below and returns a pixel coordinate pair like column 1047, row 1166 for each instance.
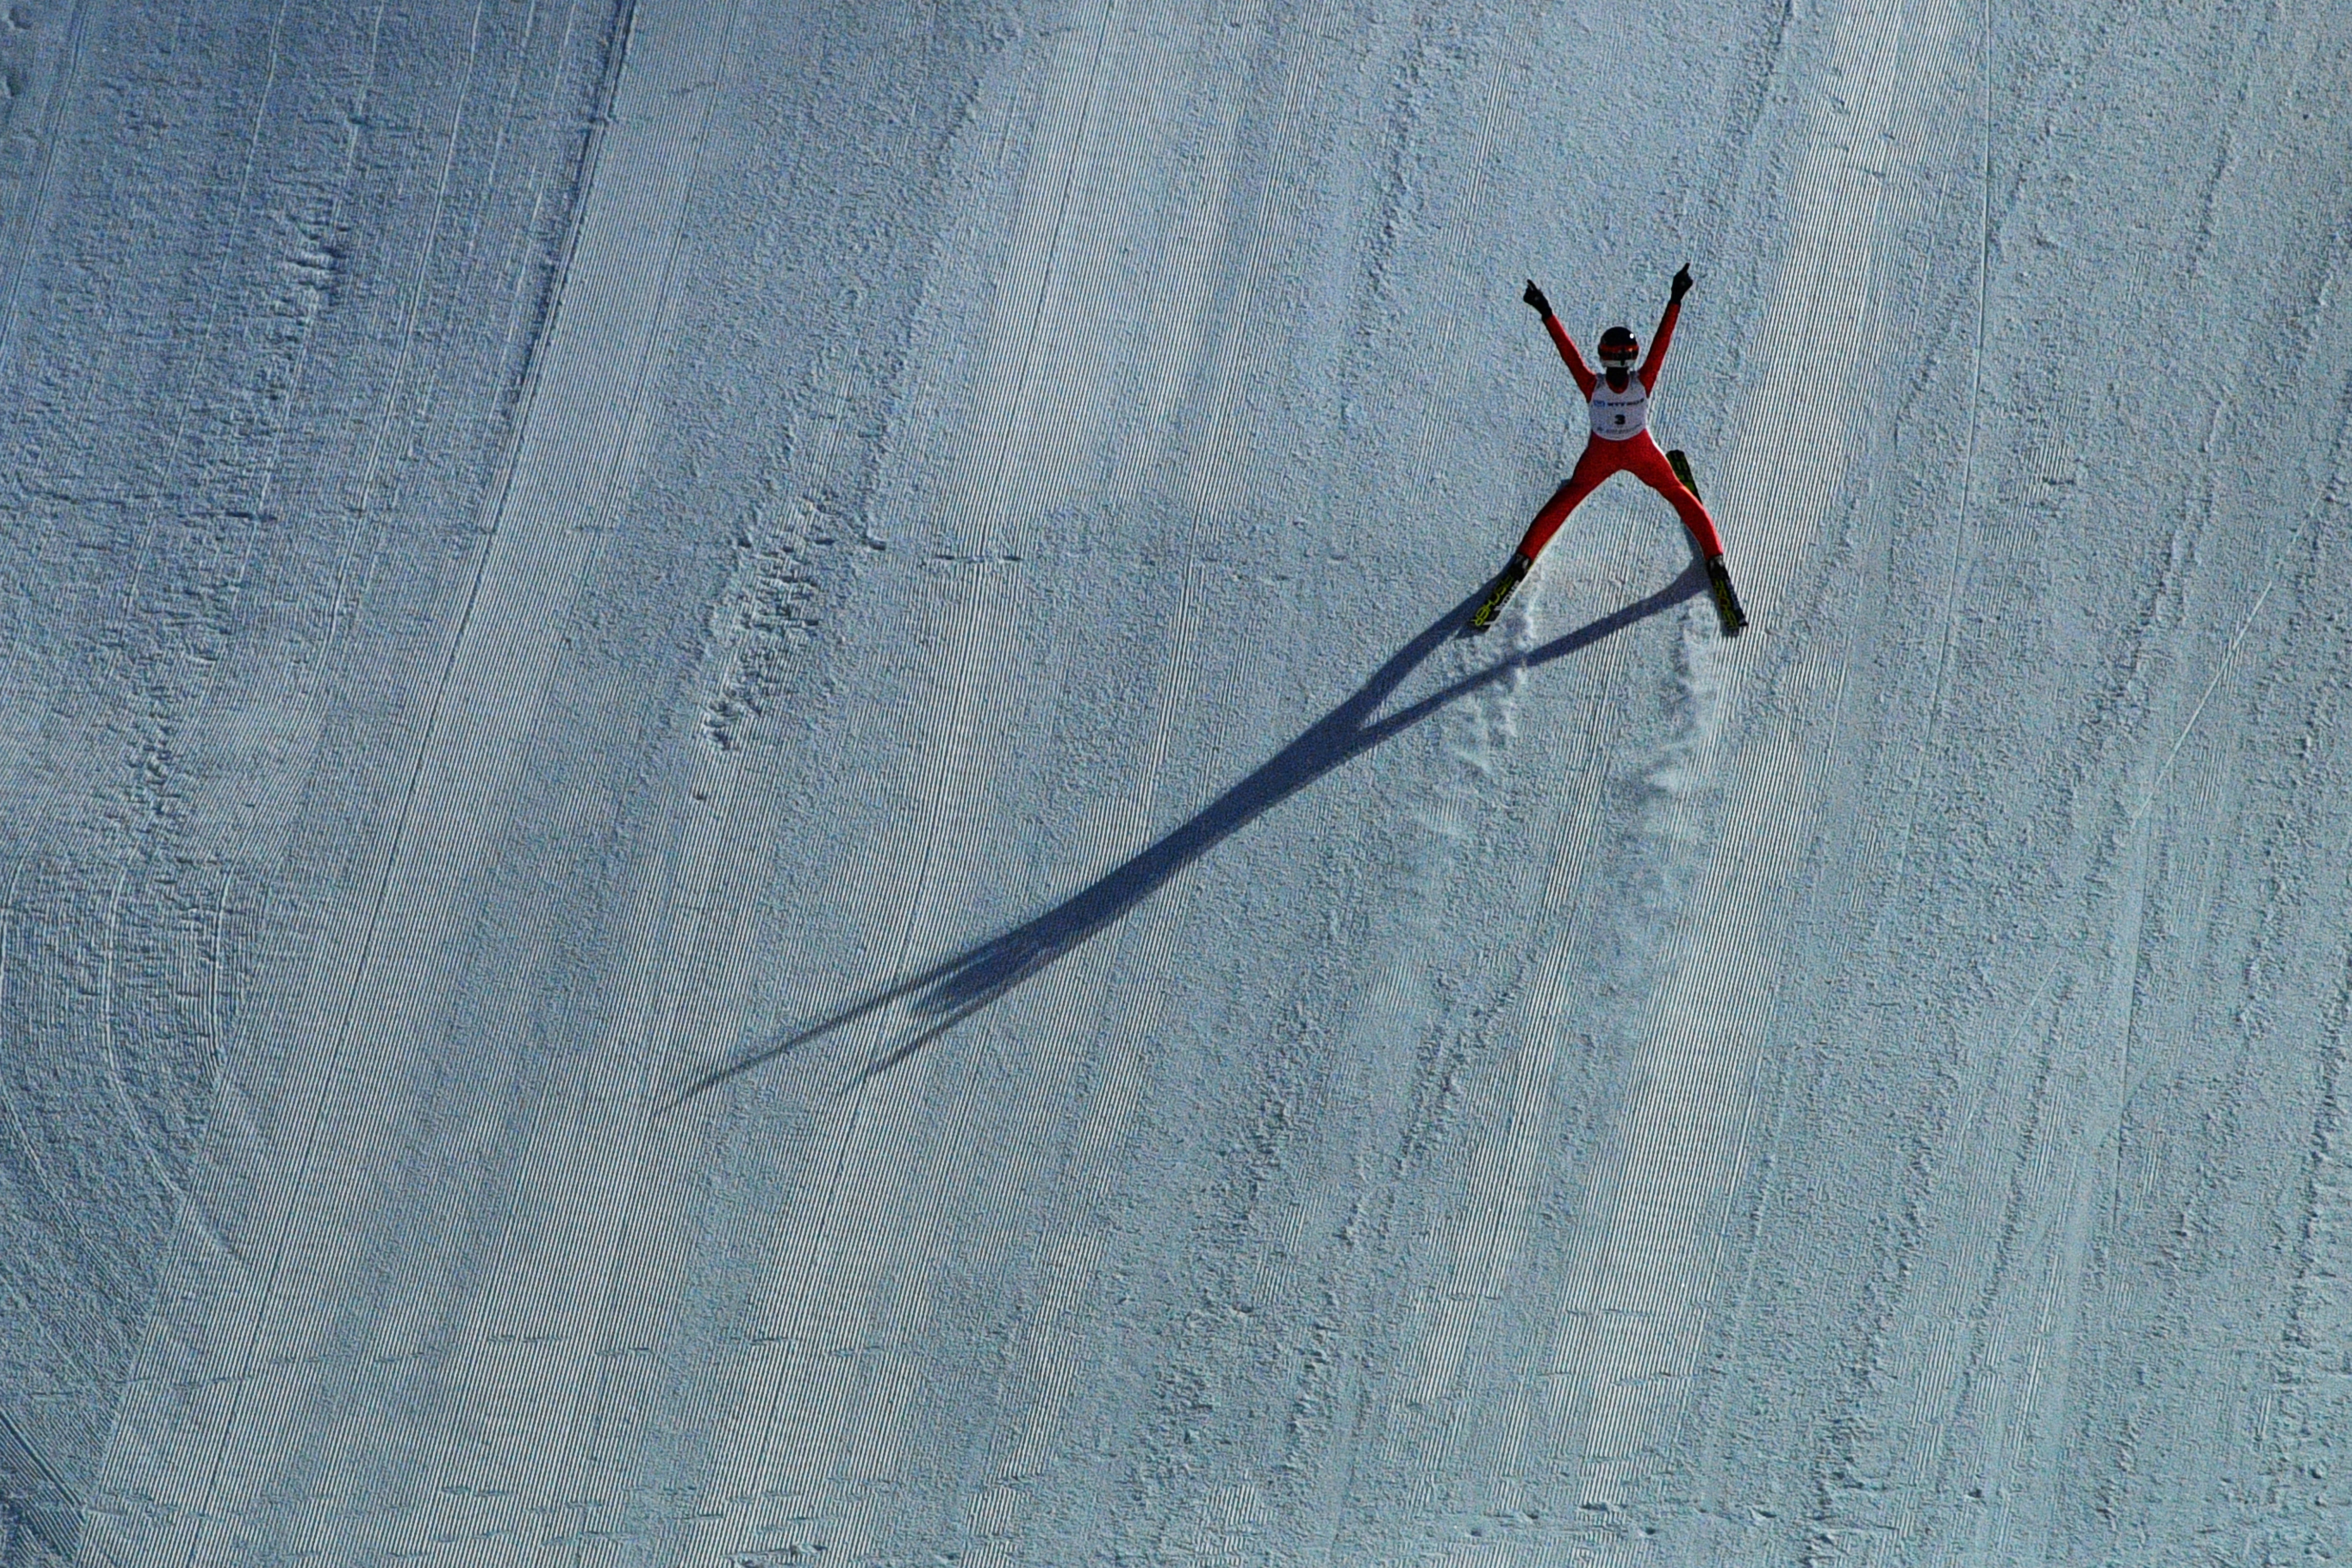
column 740, row 824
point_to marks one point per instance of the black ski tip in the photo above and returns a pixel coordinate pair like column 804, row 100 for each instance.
column 1498, row 595
column 1680, row 463
column 1726, row 601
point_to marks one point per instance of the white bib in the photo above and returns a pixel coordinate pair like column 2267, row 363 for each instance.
column 1621, row 415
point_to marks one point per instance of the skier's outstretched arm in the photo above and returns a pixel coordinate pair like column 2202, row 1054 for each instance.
column 1666, row 332
column 1585, row 379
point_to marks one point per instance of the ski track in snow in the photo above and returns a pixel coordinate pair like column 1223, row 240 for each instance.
column 744, row 830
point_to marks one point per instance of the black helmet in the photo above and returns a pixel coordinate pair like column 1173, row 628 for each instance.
column 1617, row 347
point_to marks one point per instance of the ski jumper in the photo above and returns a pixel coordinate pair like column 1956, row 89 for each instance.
column 1621, row 444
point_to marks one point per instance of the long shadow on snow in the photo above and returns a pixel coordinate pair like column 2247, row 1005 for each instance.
column 951, row 992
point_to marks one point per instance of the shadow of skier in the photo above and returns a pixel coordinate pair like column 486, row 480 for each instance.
column 948, row 993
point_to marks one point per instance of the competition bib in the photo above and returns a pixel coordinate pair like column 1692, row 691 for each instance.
column 1621, row 415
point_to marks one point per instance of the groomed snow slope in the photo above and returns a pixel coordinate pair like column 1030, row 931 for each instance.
column 740, row 828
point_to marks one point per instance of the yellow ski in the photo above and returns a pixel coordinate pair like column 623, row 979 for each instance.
column 1492, row 605
column 1718, row 576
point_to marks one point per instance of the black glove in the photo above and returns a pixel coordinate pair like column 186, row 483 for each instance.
column 1535, row 297
column 1681, row 281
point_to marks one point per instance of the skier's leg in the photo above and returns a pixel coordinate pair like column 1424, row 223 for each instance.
column 1591, row 469
column 1650, row 465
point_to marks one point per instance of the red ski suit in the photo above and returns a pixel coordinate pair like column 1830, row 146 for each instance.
column 1637, row 454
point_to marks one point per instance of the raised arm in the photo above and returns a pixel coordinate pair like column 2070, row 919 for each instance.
column 1585, row 379
column 1666, row 332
